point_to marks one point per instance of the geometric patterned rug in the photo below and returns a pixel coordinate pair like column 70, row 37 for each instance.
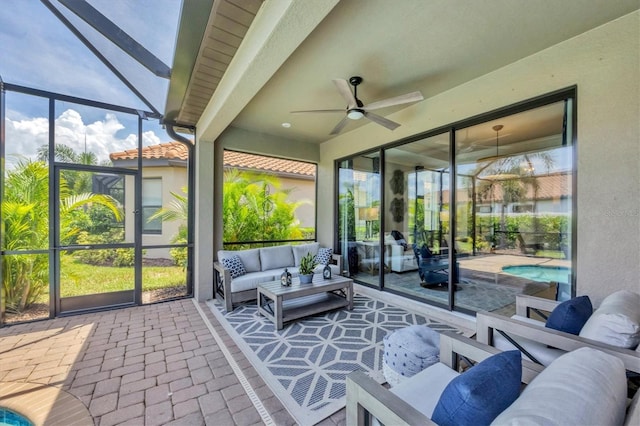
column 306, row 363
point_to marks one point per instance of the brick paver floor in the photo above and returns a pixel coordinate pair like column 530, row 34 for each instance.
column 149, row 365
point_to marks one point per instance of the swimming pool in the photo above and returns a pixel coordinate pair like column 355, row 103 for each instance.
column 11, row 418
column 545, row 274
column 540, row 273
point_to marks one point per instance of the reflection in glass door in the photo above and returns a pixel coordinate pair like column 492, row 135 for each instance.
column 514, row 208
column 416, row 222
column 359, row 217
column 95, row 258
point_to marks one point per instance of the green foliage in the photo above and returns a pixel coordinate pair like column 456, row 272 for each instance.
column 25, row 226
column 307, row 264
column 256, row 208
column 178, row 210
column 104, row 257
column 347, row 208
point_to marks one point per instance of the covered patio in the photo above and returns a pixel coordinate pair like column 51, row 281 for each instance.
column 239, row 70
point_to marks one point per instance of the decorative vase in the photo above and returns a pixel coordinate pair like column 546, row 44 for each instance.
column 306, row 279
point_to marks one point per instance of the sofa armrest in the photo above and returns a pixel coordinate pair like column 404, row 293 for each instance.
column 366, row 397
column 487, row 323
column 222, row 284
column 524, row 304
column 337, row 259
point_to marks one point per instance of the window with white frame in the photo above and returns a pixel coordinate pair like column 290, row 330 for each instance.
column 151, row 203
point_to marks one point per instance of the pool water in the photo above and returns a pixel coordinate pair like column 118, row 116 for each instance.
column 558, row 274
column 11, row 418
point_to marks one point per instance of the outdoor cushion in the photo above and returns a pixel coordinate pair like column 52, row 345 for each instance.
column 250, row 281
column 335, row 270
column 424, row 389
column 480, row 394
column 410, row 350
column 570, row 315
column 234, row 265
column 582, row 387
column 324, row 256
column 301, row 251
column 616, row 321
column 276, row 257
column 250, row 258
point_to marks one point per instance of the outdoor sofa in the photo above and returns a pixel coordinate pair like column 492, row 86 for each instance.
column 585, row 386
column 238, row 281
column 613, row 328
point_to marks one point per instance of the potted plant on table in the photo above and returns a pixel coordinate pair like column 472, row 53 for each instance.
column 307, row 265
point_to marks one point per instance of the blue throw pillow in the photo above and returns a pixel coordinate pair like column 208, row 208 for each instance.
column 480, row 394
column 571, row 315
column 234, row 265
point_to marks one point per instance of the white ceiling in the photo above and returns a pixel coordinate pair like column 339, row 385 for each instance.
column 406, row 45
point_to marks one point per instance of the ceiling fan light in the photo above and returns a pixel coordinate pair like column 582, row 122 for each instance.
column 355, row 114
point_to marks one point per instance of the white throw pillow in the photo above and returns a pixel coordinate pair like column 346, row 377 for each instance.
column 616, row 321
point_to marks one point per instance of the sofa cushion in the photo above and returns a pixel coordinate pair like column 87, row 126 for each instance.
column 480, row 394
column 276, row 257
column 582, row 387
column 334, row 270
column 423, row 390
column 616, row 321
column 234, row 265
column 251, row 280
column 324, row 256
column 571, row 315
column 301, row 251
column 250, row 258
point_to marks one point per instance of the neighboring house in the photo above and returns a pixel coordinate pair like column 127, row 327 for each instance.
column 164, row 170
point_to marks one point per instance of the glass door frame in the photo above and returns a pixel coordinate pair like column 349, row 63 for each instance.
column 99, row 301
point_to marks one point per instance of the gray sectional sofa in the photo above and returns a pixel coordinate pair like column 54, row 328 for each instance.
column 261, row 265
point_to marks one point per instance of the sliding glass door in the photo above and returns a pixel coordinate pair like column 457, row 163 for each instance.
column 513, row 207
column 359, row 217
column 469, row 217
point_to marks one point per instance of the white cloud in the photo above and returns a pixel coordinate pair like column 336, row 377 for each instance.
column 25, row 135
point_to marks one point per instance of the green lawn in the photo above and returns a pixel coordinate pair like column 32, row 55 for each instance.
column 79, row 279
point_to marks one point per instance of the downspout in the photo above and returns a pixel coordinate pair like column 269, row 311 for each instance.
column 191, row 184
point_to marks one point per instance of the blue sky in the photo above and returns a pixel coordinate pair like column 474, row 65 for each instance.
column 38, row 51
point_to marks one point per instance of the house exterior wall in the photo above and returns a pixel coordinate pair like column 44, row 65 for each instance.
column 604, row 64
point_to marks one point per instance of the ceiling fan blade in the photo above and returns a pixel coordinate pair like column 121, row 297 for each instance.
column 345, row 91
column 398, row 100
column 317, row 110
column 339, row 126
column 391, row 125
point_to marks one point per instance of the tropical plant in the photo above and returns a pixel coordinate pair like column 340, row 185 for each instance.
column 256, row 208
column 25, row 226
column 307, row 264
column 178, row 210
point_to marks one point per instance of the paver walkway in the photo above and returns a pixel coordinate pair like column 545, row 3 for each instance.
column 150, row 365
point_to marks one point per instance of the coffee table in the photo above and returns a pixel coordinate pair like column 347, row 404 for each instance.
column 284, row 304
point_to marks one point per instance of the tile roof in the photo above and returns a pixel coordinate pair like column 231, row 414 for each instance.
column 169, row 151
column 176, row 150
column 259, row 162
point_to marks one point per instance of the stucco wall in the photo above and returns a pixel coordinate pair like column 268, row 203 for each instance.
column 604, row 64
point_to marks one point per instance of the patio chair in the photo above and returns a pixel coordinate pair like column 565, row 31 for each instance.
column 433, row 270
column 571, row 391
column 543, row 345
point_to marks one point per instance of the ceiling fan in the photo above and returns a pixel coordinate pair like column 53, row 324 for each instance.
column 356, row 109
